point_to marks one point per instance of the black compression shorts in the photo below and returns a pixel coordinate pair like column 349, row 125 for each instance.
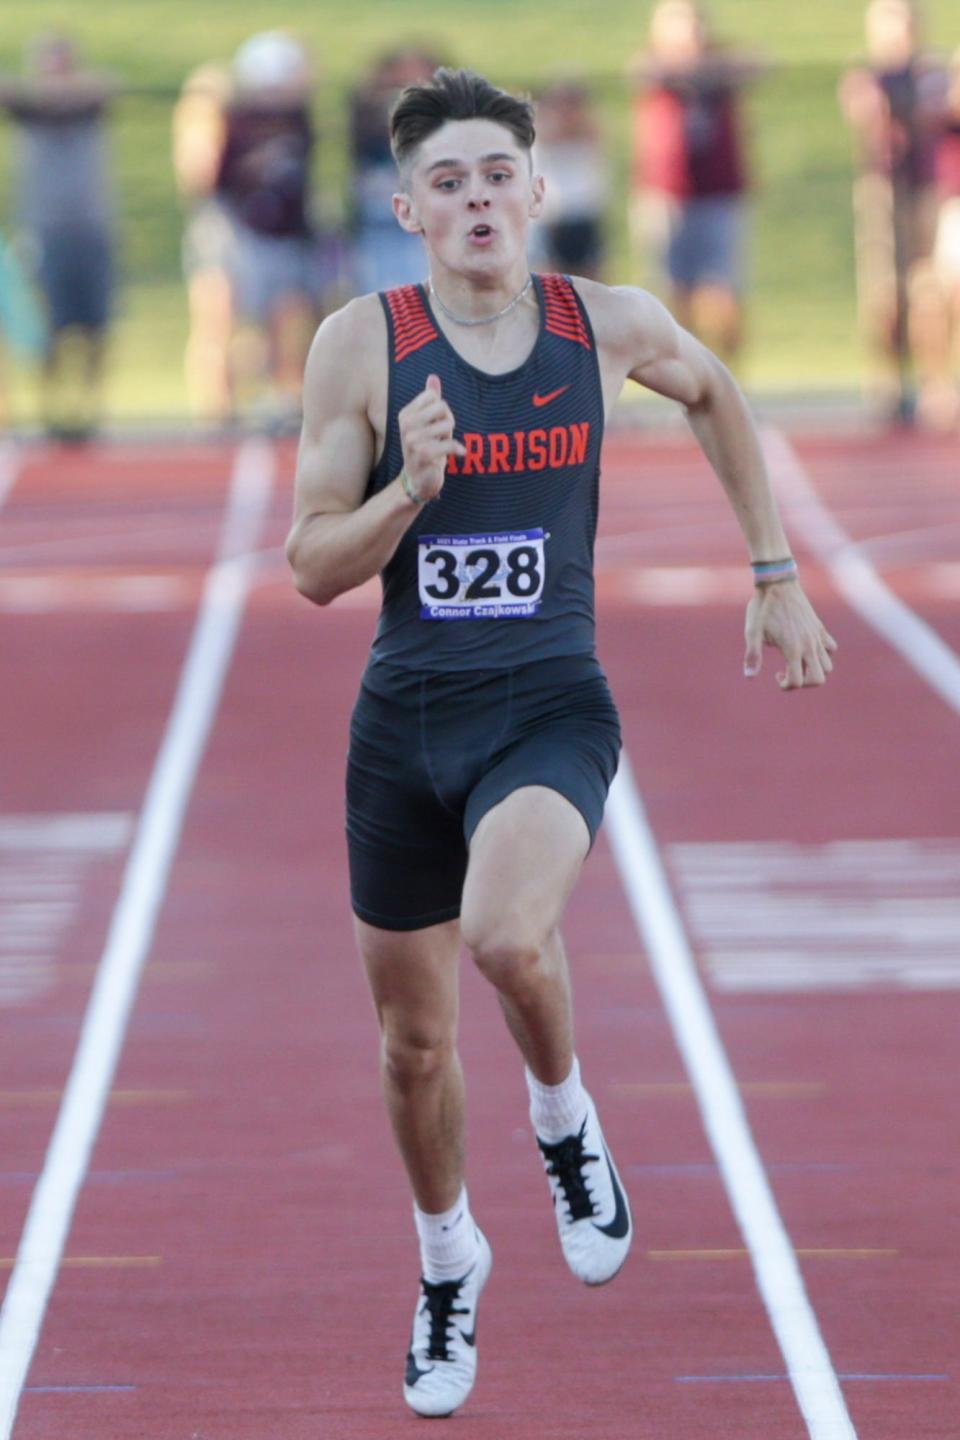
column 430, row 754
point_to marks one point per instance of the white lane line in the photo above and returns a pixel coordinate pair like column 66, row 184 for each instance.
column 777, row 915
column 97, row 834
column 906, row 547
column 856, row 578
column 132, row 925
column 777, row 1273
column 44, row 861
column 79, row 591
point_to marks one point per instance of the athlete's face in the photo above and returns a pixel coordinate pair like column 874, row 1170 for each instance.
column 471, row 192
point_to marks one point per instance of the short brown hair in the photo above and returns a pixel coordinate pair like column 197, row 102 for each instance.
column 455, row 95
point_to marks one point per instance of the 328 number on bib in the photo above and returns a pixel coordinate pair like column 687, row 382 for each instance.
column 474, row 577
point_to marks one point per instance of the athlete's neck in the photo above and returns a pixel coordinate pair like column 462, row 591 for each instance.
column 502, row 343
column 470, row 303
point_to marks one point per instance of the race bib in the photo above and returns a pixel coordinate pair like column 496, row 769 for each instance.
column 480, row 577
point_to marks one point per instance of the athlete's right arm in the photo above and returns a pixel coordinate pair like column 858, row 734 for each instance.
column 339, row 539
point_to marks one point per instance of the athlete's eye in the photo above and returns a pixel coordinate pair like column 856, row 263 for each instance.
column 499, row 175
column 449, row 183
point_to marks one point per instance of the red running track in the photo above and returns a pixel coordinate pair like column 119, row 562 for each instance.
column 241, row 1262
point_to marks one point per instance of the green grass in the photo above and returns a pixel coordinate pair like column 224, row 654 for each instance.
column 801, row 305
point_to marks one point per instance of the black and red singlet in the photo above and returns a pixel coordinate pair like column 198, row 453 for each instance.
column 498, row 569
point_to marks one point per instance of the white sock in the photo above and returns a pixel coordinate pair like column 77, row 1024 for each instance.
column 557, row 1110
column 448, row 1242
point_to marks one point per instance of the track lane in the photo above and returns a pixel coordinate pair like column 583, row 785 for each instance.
column 249, row 1186
column 47, row 1226
column 748, row 763
column 78, row 742
column 288, row 1264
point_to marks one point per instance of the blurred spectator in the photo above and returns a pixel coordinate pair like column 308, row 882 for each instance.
column 893, row 104
column 263, row 183
column 690, row 175
column 383, row 254
column 209, row 243
column 65, row 213
column 943, row 401
column 570, row 155
column 21, row 323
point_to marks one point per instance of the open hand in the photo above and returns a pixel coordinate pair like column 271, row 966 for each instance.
column 781, row 615
column 426, row 435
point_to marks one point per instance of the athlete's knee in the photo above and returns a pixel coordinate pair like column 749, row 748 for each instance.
column 414, row 1055
column 507, row 954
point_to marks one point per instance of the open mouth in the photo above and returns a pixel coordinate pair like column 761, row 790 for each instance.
column 481, row 232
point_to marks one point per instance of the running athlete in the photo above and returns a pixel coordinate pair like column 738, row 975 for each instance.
column 451, row 443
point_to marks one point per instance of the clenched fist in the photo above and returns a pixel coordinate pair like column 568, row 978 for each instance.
column 426, row 435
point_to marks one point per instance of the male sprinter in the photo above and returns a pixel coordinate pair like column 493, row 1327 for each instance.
column 451, row 442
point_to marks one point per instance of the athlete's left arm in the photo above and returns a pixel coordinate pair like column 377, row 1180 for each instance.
column 638, row 338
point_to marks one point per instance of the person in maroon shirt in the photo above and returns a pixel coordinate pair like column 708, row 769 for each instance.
column 893, row 104
column 263, row 183
column 690, row 177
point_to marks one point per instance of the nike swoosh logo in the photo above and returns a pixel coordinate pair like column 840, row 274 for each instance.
column 413, row 1373
column 539, row 400
column 471, row 1339
column 619, row 1226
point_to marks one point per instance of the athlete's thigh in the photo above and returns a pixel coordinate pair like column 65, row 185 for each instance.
column 525, row 856
column 413, row 978
column 405, row 845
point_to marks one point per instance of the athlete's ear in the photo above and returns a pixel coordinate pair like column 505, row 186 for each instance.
column 537, row 187
column 405, row 211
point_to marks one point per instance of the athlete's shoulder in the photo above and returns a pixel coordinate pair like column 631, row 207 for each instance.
column 351, row 336
column 627, row 321
column 359, row 323
column 348, row 354
column 618, row 309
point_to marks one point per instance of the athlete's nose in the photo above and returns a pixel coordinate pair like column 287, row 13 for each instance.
column 478, row 202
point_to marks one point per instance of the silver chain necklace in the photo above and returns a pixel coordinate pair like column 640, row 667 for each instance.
column 484, row 319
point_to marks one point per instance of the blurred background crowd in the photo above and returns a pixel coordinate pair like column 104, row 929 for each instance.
column 661, row 194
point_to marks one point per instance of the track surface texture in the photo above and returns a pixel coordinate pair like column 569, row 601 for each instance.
column 240, row 1263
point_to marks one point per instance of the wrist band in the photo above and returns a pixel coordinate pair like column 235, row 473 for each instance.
column 409, row 491
column 773, row 572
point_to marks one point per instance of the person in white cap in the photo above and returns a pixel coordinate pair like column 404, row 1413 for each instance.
column 264, row 182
